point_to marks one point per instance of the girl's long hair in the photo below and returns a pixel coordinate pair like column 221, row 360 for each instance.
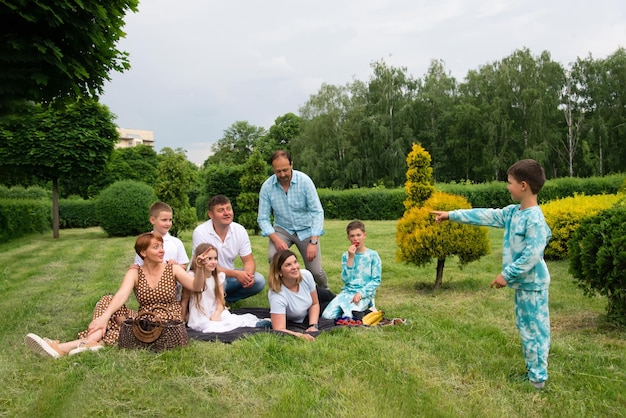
column 196, row 296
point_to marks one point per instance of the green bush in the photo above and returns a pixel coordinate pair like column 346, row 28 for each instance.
column 19, row 217
column 123, row 208
column 598, row 258
column 77, row 213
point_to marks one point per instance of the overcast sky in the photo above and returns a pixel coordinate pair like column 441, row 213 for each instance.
column 199, row 65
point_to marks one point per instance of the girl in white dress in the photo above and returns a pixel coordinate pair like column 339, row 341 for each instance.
column 207, row 312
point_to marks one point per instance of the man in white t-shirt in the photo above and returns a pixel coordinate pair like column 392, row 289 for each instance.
column 231, row 240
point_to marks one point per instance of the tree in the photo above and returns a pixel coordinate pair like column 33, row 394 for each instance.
column 419, row 184
column 255, row 172
column 60, row 49
column 175, row 179
column 280, row 135
column 330, row 134
column 418, row 237
column 218, row 179
column 237, row 144
column 134, row 163
column 52, row 143
column 574, row 118
column 601, row 85
column 433, row 108
column 390, row 92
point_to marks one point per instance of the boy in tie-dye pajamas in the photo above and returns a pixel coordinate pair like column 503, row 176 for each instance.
column 526, row 235
column 361, row 271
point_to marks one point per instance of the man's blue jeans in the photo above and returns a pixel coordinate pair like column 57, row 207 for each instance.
column 235, row 291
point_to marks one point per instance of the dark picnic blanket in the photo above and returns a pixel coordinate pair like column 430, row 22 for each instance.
column 230, row 336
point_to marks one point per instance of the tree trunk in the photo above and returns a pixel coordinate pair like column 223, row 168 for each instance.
column 55, row 208
column 439, row 280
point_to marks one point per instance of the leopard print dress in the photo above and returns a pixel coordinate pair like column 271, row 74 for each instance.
column 161, row 301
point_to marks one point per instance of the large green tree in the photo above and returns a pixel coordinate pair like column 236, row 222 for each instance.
column 281, row 133
column 65, row 48
column 175, row 179
column 134, row 163
column 390, row 92
column 434, row 109
column 237, row 144
column 601, row 86
column 50, row 143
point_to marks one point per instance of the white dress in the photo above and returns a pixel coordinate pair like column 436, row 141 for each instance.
column 199, row 319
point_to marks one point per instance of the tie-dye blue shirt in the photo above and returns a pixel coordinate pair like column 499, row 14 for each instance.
column 526, row 235
column 364, row 275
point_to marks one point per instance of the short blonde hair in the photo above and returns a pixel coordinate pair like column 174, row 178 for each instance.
column 158, row 207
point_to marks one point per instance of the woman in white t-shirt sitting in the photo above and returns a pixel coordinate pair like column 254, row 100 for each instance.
column 292, row 295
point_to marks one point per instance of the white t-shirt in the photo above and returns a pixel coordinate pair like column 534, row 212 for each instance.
column 236, row 243
column 294, row 305
column 174, row 250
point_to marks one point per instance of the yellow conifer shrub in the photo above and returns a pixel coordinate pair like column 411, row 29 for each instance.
column 420, row 239
column 564, row 215
column 419, row 184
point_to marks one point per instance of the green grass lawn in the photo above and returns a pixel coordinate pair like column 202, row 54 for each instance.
column 455, row 357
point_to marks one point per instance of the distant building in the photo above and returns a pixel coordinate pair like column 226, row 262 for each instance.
column 133, row 137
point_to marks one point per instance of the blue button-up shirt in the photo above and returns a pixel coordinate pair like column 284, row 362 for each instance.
column 299, row 211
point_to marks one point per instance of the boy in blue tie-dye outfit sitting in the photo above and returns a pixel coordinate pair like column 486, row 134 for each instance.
column 361, row 269
column 524, row 269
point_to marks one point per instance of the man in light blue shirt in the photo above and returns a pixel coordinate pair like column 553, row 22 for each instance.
column 291, row 196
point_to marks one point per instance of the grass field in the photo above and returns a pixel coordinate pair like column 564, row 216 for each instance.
column 455, row 357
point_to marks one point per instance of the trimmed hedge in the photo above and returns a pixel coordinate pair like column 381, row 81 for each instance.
column 496, row 195
column 364, row 204
column 30, row 193
column 77, row 213
column 19, row 217
column 388, row 204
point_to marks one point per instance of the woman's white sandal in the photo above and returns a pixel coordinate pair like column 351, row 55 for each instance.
column 43, row 346
column 85, row 346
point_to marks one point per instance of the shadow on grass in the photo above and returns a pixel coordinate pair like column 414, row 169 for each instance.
column 464, row 285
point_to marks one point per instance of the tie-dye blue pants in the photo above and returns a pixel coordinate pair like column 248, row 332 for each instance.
column 533, row 322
